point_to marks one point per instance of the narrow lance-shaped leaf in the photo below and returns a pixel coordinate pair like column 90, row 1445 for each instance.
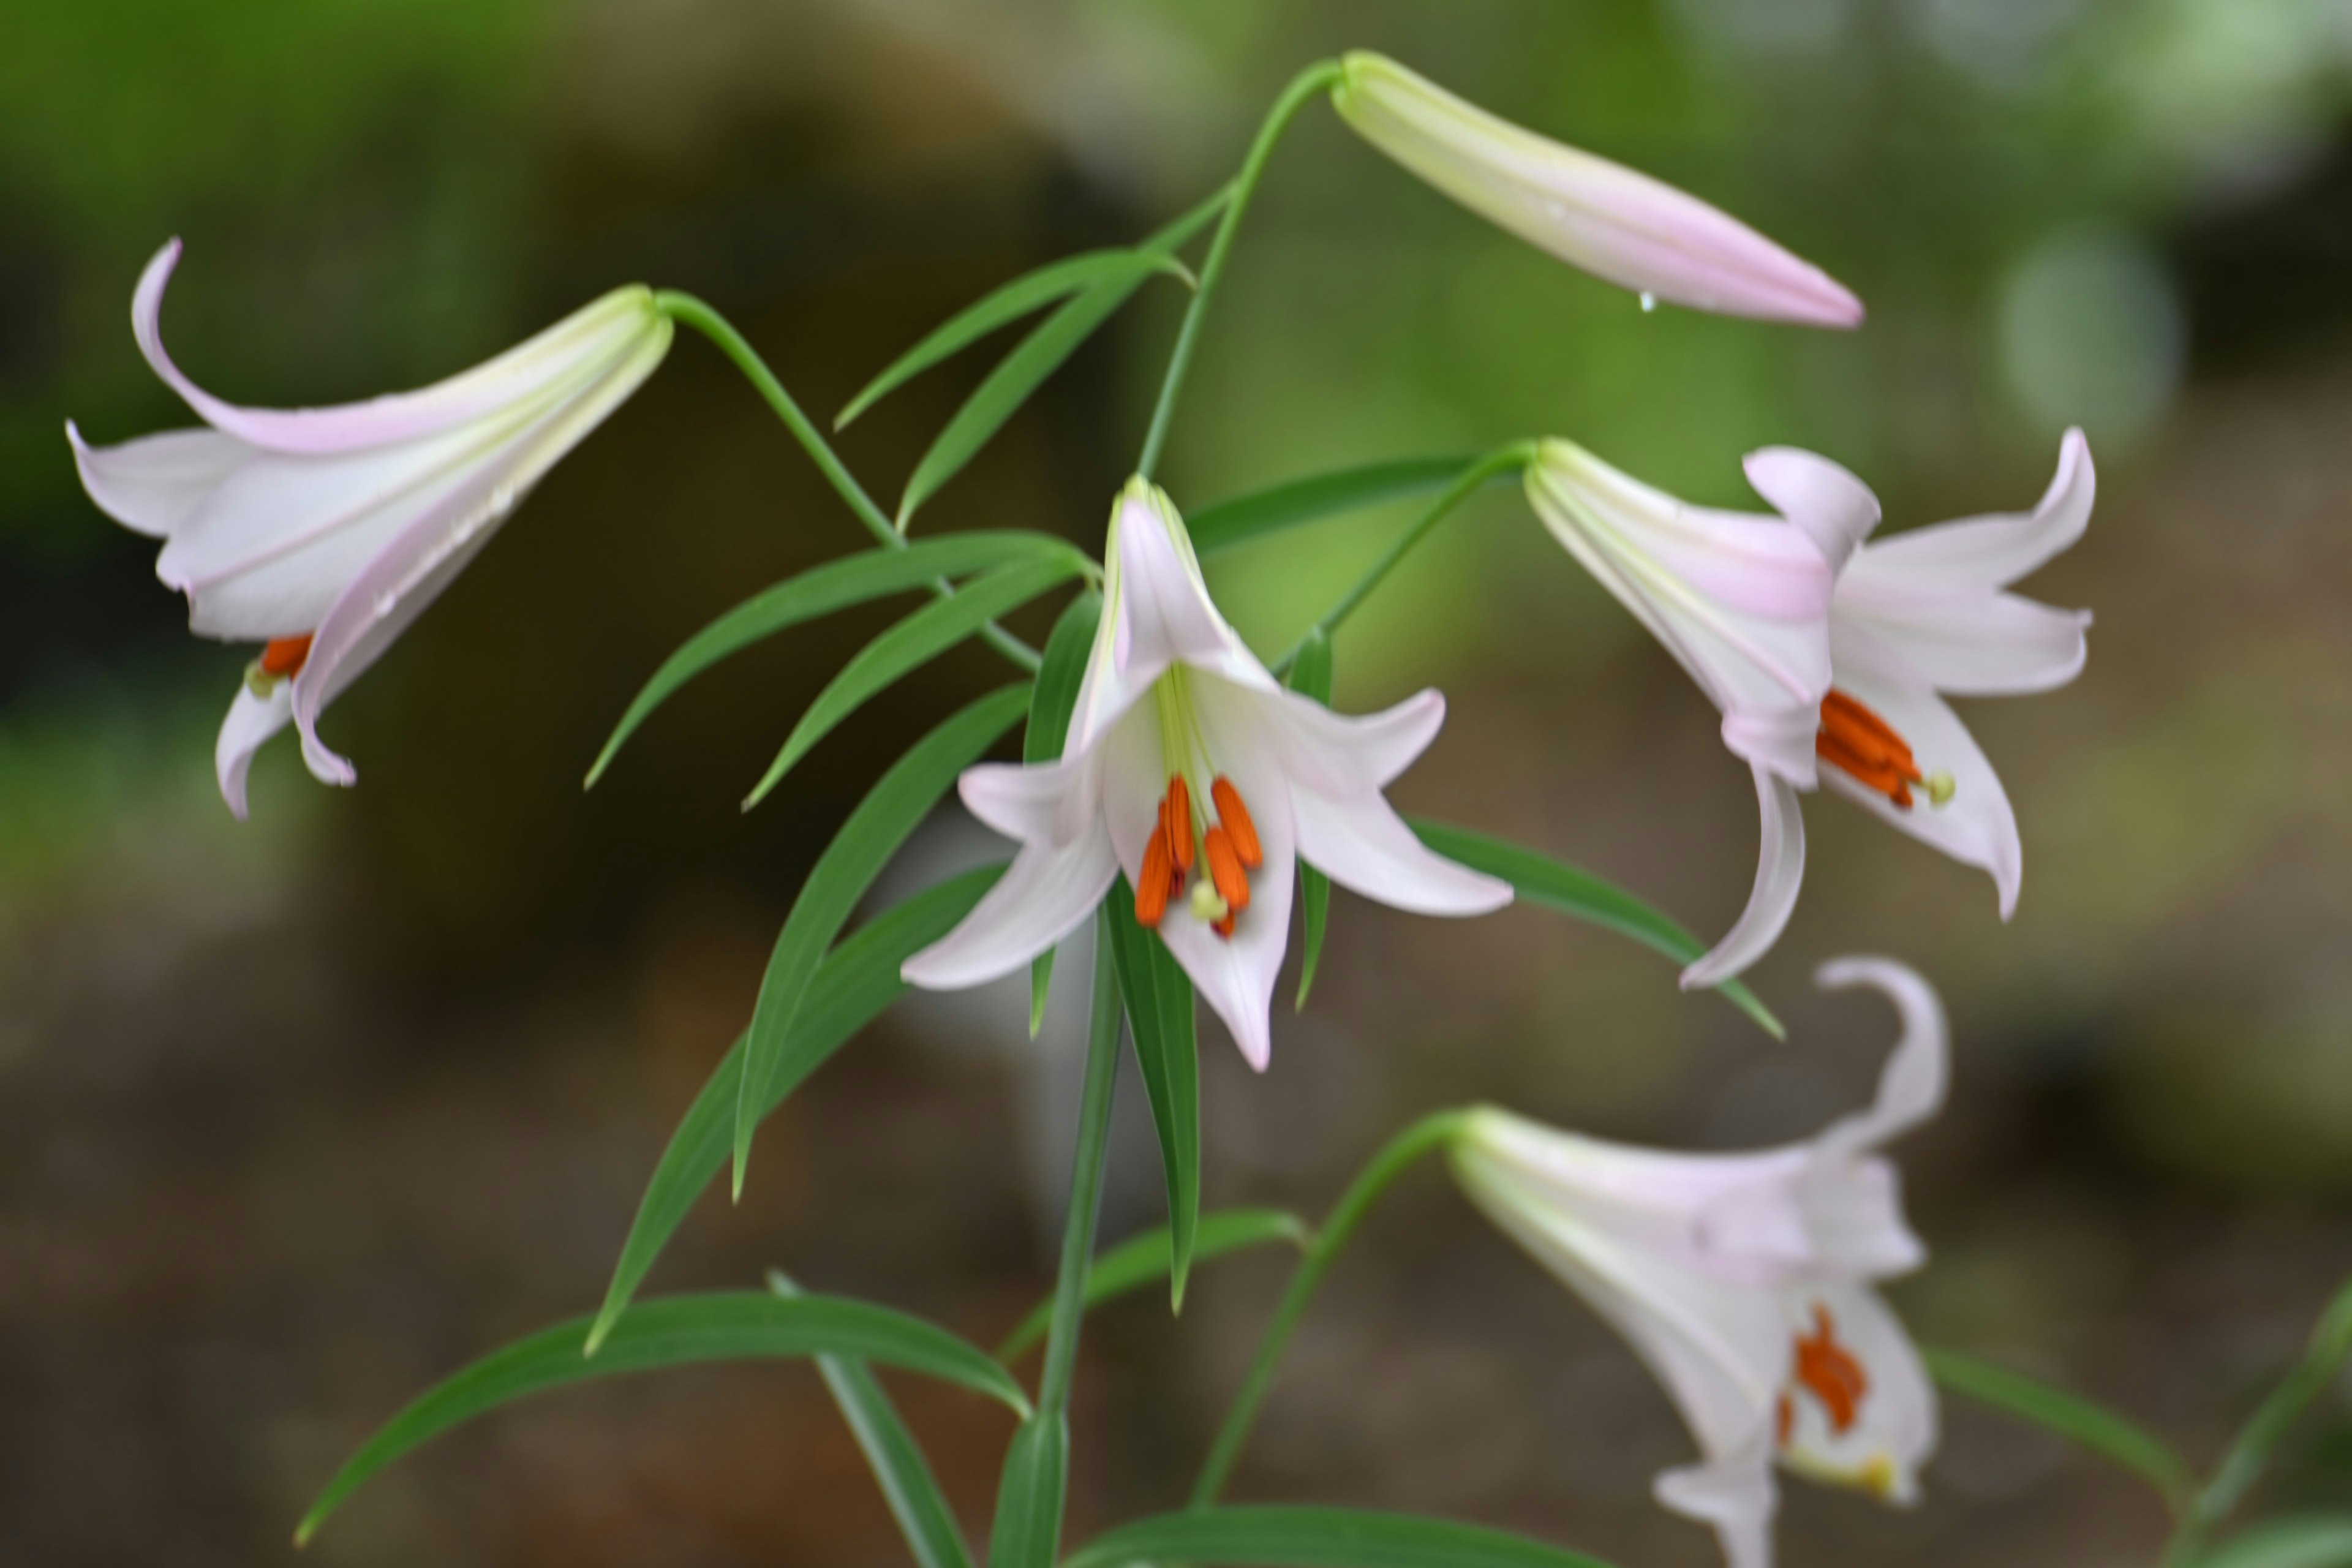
column 911, row 644
column 2303, row 1540
column 2081, row 1421
column 1297, row 501
column 856, row 980
column 1556, row 885
column 1027, row 1530
column 1316, row 1538
column 1158, row 997
column 905, row 1476
column 891, row 811
column 1140, row 1259
column 820, row 591
column 1051, row 703
column 679, row 1331
column 1030, row 291
column 1310, row 676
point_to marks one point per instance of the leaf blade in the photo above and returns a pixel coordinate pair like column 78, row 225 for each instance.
column 1296, row 502
column 2306, row 1541
column 1051, row 702
column 1139, row 1259
column 1027, row 1529
column 1278, row 1537
column 1310, row 676
column 2084, row 1422
column 1160, row 1021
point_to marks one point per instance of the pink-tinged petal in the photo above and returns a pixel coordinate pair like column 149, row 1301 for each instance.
column 1736, row 1495
column 1618, row 225
column 155, row 483
column 1047, row 894
column 1780, row 740
column 1911, row 1087
column 1983, row 553
column 1895, row 1429
column 1973, row 645
column 1780, row 875
column 590, row 336
column 1823, row 500
column 1333, row 753
column 1050, row 804
column 251, row 721
column 1977, row 825
column 1360, row 843
column 394, row 587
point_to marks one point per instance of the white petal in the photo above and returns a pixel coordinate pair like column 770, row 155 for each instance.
column 1976, row 643
column 1335, row 753
column 1360, row 843
column 1912, row 1085
column 251, row 721
column 1780, row 875
column 1047, row 894
column 1736, row 1495
column 1045, row 803
column 1986, row 552
column 1826, row 502
column 1895, row 1428
column 154, row 483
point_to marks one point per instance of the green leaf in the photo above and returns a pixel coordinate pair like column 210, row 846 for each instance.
column 1316, row 1538
column 2088, row 1425
column 677, row 1330
column 1158, row 998
column 2242, row 1466
column 891, row 811
column 900, row 1468
column 1556, row 885
column 2309, row 1541
column 1051, row 703
column 1310, row 676
column 1031, row 291
column 1286, row 506
column 820, row 591
column 856, row 980
column 911, row 644
column 1140, row 1259
column 1028, row 1527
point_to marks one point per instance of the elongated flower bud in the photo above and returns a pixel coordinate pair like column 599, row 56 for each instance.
column 1608, row 219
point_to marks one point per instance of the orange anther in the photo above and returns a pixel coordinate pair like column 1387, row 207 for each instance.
column 1866, row 746
column 1152, row 890
column 1224, row 928
column 1236, row 818
column 1830, row 1372
column 1226, row 869
column 1784, row 1420
column 1176, row 816
column 286, row 655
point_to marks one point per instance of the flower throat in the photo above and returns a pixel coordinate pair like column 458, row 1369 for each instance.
column 1867, row 748
column 1185, row 838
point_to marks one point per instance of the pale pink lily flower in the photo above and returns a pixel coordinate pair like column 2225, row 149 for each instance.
column 1745, row 1281
column 1192, row 770
column 323, row 532
column 1618, row 225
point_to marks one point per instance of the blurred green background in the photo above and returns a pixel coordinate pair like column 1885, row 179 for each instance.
column 297, row 1115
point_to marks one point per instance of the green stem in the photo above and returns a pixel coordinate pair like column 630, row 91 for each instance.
column 688, row 310
column 1425, row 1136
column 1502, row 459
column 1314, row 79
column 1086, row 1183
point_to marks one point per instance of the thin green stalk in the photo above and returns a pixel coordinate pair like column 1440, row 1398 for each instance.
column 1502, row 459
column 1314, row 79
column 688, row 310
column 1425, row 1136
column 1086, row 1183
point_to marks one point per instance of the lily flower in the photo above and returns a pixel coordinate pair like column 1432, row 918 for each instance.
column 1618, row 225
column 1843, row 664
column 1192, row 770
column 322, row 533
column 1746, row 1280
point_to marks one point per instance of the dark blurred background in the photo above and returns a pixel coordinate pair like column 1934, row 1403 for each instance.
column 298, row 1115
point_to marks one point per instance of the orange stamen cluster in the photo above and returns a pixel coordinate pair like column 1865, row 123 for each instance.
column 1831, row 1373
column 1866, row 746
column 1230, row 848
column 286, row 655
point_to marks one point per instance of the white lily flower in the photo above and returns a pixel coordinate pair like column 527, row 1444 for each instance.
column 1191, row 768
column 1615, row 222
column 1820, row 648
column 323, row 532
column 1745, row 1281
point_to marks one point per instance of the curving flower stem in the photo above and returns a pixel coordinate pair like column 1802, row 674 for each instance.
column 689, row 311
column 1430, row 1134
column 1501, row 460
column 1314, row 79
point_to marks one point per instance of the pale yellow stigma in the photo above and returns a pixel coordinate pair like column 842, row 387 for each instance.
column 1208, row 906
column 1941, row 787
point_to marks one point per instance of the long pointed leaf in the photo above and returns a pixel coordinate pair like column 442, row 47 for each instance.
column 1051, row 702
column 2305, row 1541
column 1297, row 501
column 856, row 980
column 2079, row 1420
column 1028, row 1525
column 891, row 811
column 1140, row 1259
column 1556, row 885
column 679, row 1331
column 899, row 1467
column 911, row 644
column 1158, row 997
column 1031, row 291
column 820, row 591
column 1310, row 676
column 1316, row 1538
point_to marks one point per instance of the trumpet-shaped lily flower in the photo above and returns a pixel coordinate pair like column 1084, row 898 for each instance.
column 1615, row 222
column 1745, row 1281
column 1828, row 655
column 321, row 533
column 1192, row 770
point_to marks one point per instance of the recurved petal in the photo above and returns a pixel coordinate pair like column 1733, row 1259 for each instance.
column 1043, row 896
column 251, row 721
column 154, row 484
column 1912, row 1085
column 1823, row 500
column 1736, row 1495
column 1335, row 753
column 1984, row 552
column 1045, row 803
column 1978, row 644
column 1359, row 842
column 1780, row 875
